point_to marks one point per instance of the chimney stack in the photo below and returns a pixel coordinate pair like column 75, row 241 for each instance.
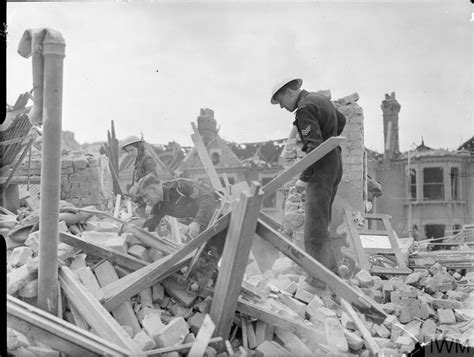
column 390, row 108
column 207, row 125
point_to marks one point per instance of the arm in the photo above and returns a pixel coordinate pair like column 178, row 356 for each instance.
column 154, row 220
column 308, row 122
column 205, row 201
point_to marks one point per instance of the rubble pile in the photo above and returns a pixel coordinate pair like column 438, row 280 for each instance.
column 294, row 317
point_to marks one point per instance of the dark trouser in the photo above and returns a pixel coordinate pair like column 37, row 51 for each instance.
column 320, row 194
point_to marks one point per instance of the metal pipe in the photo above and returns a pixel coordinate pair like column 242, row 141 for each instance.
column 47, row 47
column 53, row 54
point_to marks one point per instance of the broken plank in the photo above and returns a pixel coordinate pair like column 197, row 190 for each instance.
column 370, row 343
column 78, row 320
column 299, row 166
column 94, row 313
column 112, row 255
column 206, row 159
column 251, row 337
column 300, row 329
column 235, row 255
column 57, row 333
column 316, row 269
column 184, row 348
column 203, row 337
column 90, row 282
column 124, row 288
column 123, row 313
column 292, row 343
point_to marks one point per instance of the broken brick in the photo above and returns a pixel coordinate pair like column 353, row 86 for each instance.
column 178, row 293
column 172, row 333
column 158, row 293
column 429, row 330
column 446, row 304
column 446, row 317
column 313, row 306
column 303, row 295
column 354, row 341
column 144, row 341
column 30, row 290
column 20, row 256
column 196, row 321
column 139, row 251
column 382, row 331
column 335, row 334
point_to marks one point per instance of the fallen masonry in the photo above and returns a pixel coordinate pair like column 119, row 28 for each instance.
column 269, row 318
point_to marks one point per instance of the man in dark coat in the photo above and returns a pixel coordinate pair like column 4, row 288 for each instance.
column 181, row 198
column 316, row 121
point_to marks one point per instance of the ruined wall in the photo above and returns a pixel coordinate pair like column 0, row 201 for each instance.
column 350, row 191
column 85, row 179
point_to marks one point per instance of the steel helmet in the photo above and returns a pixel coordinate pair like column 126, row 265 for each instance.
column 132, row 142
column 283, row 83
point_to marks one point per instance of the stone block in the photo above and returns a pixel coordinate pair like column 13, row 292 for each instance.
column 144, row 341
column 151, row 322
column 144, row 312
column 313, row 306
column 364, row 278
column 457, row 295
column 390, row 320
column 293, row 304
column 157, row 293
column 203, row 306
column 139, row 252
column 179, row 293
column 78, row 262
column 20, row 256
column 405, row 315
column 195, row 322
column 172, row 333
column 347, row 322
column 335, row 334
column 389, row 307
column 446, row 304
column 271, row 348
column 404, row 344
column 435, row 268
column 128, row 330
column 446, row 317
column 286, row 266
column 118, row 243
column 33, row 242
column 354, row 341
column 382, row 331
column 413, row 278
column 16, row 339
column 429, row 330
column 414, row 328
column 190, row 338
column 178, row 310
column 30, row 290
column 18, row 278
column 384, row 342
column 304, row 296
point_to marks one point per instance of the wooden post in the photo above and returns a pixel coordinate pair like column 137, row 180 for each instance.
column 124, row 288
column 235, row 255
column 94, row 313
column 57, row 333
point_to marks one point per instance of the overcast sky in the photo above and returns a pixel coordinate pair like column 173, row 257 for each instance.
column 150, row 66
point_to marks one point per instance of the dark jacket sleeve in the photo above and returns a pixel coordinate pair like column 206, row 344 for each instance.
column 341, row 122
column 205, row 200
column 156, row 215
column 310, row 131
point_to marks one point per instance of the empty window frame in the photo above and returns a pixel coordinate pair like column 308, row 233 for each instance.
column 455, row 184
column 433, row 185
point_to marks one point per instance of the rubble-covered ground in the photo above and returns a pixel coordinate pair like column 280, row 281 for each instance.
column 427, row 304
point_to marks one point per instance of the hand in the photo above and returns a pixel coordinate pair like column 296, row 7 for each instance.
column 150, row 224
column 193, row 229
column 300, row 186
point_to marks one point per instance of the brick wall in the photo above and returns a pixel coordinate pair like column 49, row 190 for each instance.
column 85, row 179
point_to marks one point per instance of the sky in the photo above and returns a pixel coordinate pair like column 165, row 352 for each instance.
column 151, row 65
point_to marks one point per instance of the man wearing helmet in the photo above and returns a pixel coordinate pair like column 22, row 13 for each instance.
column 316, row 121
column 181, row 198
column 144, row 163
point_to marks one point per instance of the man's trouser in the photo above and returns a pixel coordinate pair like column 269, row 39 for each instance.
column 320, row 194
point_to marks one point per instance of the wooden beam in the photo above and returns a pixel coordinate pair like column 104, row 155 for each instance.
column 316, row 269
column 236, row 251
column 206, row 160
column 123, row 313
column 94, row 313
column 300, row 329
column 182, row 349
column 124, row 288
column 299, row 166
column 112, row 255
column 203, row 337
column 58, row 334
column 370, row 343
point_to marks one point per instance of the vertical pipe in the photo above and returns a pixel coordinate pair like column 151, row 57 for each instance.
column 53, row 54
